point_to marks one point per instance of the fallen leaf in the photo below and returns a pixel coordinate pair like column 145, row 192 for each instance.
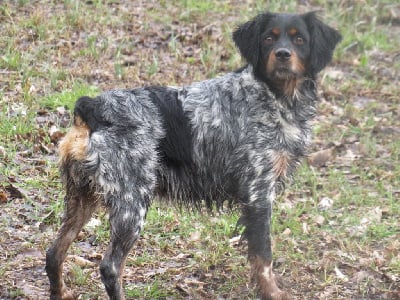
column 96, row 256
column 154, row 272
column 235, row 240
column 333, row 74
column 80, row 261
column 195, row 236
column 379, row 260
column 16, row 192
column 339, row 274
column 325, row 203
column 392, row 250
column 55, row 134
column 94, row 222
column 2, row 151
column 305, row 228
column 3, row 197
column 319, row 220
column 61, row 110
column 320, row 158
column 361, row 276
column 372, row 217
column 357, row 231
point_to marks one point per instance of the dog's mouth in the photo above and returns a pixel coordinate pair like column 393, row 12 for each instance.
column 284, row 78
column 284, row 68
column 284, row 72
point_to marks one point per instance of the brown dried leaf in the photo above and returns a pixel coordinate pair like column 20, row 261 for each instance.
column 319, row 220
column 16, row 192
column 3, row 197
column 392, row 250
column 320, row 158
column 3, row 152
column 55, row 134
column 80, row 261
column 195, row 236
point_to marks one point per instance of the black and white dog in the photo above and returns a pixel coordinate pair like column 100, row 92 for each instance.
column 235, row 137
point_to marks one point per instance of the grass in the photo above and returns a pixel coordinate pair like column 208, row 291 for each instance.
column 56, row 52
column 68, row 97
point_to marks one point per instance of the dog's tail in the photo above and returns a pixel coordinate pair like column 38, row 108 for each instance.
column 89, row 110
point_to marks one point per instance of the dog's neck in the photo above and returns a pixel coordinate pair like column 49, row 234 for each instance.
column 286, row 88
column 289, row 91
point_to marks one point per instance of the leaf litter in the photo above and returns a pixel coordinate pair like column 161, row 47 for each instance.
column 340, row 266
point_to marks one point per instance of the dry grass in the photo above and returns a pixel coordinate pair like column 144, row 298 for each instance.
column 336, row 229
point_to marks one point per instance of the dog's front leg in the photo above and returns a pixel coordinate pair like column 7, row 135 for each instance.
column 256, row 216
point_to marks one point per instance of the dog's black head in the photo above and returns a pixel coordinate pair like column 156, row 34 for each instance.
column 286, row 48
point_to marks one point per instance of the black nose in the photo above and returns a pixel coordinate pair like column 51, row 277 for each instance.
column 282, row 54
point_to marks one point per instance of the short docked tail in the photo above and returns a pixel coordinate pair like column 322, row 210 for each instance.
column 88, row 110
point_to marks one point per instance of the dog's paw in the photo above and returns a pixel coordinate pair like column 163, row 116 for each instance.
column 276, row 295
column 69, row 296
column 265, row 280
column 65, row 295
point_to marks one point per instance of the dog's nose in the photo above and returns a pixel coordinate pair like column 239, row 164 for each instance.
column 283, row 54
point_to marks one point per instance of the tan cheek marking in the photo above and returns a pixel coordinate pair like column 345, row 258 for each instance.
column 297, row 64
column 271, row 62
column 298, row 67
column 74, row 144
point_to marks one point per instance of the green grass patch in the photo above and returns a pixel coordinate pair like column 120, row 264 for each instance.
column 16, row 123
column 68, row 97
column 54, row 53
column 152, row 290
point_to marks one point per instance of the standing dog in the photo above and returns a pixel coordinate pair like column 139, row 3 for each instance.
column 235, row 137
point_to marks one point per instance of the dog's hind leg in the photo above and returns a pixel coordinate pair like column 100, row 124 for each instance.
column 78, row 209
column 80, row 203
column 127, row 178
column 126, row 221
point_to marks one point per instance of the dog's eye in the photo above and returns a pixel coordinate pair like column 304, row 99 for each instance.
column 269, row 39
column 298, row 40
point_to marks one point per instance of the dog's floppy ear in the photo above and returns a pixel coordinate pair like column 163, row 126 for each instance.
column 323, row 42
column 247, row 37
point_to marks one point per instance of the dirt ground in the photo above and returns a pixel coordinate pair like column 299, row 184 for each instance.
column 139, row 43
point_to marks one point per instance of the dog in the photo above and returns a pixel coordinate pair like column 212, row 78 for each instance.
column 237, row 137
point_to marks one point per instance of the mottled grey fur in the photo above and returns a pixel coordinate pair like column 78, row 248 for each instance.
column 236, row 138
column 235, row 123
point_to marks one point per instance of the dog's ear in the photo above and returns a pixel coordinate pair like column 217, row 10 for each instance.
column 323, row 42
column 247, row 37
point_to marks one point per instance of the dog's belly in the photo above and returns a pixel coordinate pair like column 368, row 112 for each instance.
column 192, row 185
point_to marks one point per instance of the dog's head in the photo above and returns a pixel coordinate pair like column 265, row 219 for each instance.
column 286, row 47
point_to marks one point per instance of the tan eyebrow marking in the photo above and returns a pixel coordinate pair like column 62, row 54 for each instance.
column 292, row 31
column 276, row 31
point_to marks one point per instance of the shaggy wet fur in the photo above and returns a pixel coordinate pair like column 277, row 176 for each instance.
column 235, row 137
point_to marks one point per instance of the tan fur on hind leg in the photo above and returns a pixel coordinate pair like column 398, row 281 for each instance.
column 75, row 143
